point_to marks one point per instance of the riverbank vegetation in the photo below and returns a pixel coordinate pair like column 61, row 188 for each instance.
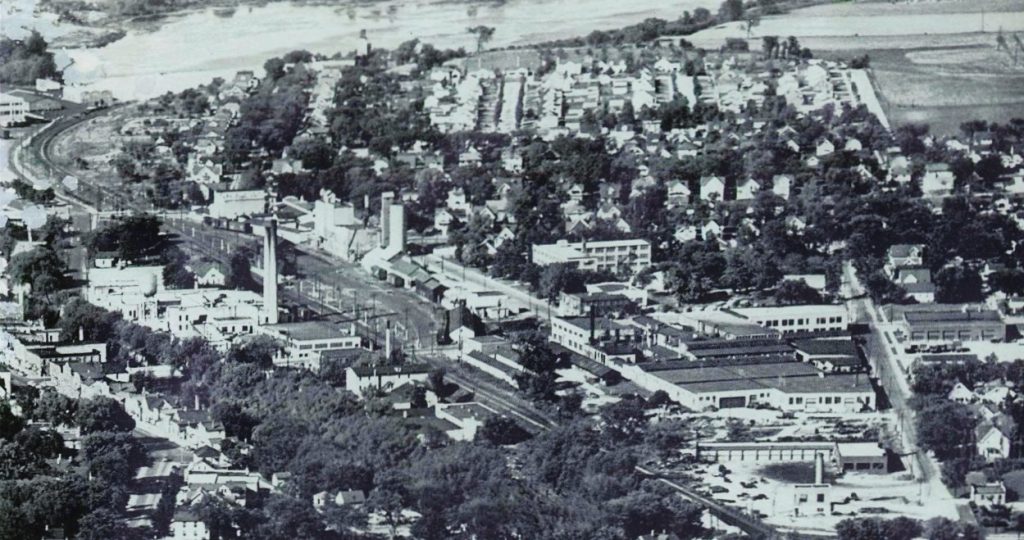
column 24, row 61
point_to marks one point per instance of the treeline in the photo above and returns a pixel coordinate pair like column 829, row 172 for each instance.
column 24, row 61
column 38, row 493
column 270, row 118
column 688, row 23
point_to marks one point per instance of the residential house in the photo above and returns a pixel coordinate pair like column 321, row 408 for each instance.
column 993, row 437
column 361, row 380
column 782, row 185
column 824, row 148
column 209, row 274
column 961, row 394
column 938, row 180
column 678, row 193
column 746, row 189
column 988, row 494
column 712, row 188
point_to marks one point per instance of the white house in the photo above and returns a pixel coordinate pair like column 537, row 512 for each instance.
column 961, row 394
column 747, row 189
column 782, row 185
column 824, row 148
column 994, row 436
column 938, row 180
column 712, row 186
column 209, row 274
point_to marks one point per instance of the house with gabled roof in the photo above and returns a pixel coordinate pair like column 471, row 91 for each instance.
column 824, row 148
column 961, row 394
column 993, row 438
column 782, row 185
column 712, row 187
column 678, row 193
column 746, row 189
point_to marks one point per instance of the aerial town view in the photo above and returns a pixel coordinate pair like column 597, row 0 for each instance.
column 511, row 269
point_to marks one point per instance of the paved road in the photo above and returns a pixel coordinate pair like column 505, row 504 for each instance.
column 328, row 274
column 883, row 353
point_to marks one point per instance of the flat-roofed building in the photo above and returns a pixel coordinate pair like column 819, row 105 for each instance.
column 601, row 340
column 608, row 255
column 13, row 109
column 233, row 203
column 765, row 452
column 306, row 341
column 861, row 457
column 781, row 383
column 577, row 304
column 790, row 319
column 954, row 325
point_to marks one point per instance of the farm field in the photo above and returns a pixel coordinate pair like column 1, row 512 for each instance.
column 931, row 62
column 946, row 86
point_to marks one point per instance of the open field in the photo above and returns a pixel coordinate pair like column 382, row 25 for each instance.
column 932, row 62
column 946, row 86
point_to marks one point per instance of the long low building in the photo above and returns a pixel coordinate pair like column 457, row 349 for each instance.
column 780, row 383
column 953, row 325
column 766, row 452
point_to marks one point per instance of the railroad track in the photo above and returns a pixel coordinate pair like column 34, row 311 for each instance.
column 44, row 140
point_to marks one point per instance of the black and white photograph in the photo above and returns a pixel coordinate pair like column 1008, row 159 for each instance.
column 511, row 269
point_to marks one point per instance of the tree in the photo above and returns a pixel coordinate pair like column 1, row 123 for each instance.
column 483, row 35
column 113, row 457
column 667, row 437
column 240, row 271
column 10, row 424
column 769, row 44
column 435, row 380
column 103, row 524
column 55, row 408
column 796, row 292
column 624, row 421
column 946, row 428
column 941, row 528
column 102, row 414
column 290, row 518
column 501, row 431
column 900, row 528
column 132, row 238
column 730, row 10
column 558, row 278
column 958, row 284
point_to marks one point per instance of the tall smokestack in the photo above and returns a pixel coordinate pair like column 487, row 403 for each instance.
column 396, row 236
column 593, row 321
column 387, row 342
column 819, row 468
column 386, row 199
column 270, row 272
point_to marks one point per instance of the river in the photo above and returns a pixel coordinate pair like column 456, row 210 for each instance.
column 192, row 48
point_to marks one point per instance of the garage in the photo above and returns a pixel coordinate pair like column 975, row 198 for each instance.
column 732, row 402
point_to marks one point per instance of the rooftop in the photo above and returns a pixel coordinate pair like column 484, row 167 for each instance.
column 826, row 347
column 308, row 330
column 952, row 316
